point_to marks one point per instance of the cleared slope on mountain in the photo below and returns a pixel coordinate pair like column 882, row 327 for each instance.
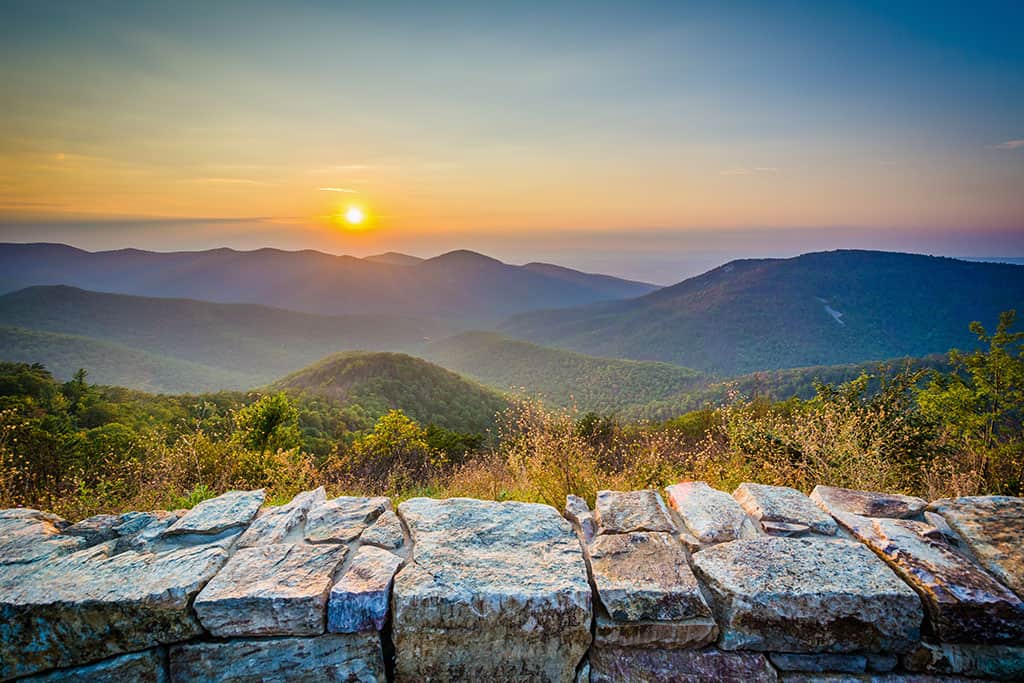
column 255, row 341
column 383, row 381
column 561, row 378
column 460, row 286
column 817, row 309
column 114, row 364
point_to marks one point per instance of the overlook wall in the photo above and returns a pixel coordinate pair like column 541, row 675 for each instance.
column 696, row 584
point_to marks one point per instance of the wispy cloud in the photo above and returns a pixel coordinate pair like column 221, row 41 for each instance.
column 749, row 171
column 231, row 181
column 341, row 168
column 1010, row 144
column 337, row 189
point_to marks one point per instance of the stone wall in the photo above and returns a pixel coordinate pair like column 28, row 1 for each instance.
column 689, row 584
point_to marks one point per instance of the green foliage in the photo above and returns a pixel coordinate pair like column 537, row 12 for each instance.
column 981, row 404
column 270, row 422
column 396, row 455
column 80, row 449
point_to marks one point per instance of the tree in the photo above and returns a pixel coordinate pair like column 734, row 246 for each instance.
column 396, row 455
column 269, row 423
column 981, row 402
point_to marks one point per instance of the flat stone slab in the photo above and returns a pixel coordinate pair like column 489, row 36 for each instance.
column 30, row 535
column 492, row 592
column 783, row 504
column 867, row 503
column 994, row 662
column 712, row 516
column 620, row 512
column 230, row 510
column 386, row 532
column 359, row 600
column 993, row 528
column 56, row 615
column 804, row 595
column 332, row 658
column 278, row 589
column 638, row 665
column 343, row 519
column 137, row 667
column 644, row 576
column 691, row 633
column 964, row 602
column 279, row 524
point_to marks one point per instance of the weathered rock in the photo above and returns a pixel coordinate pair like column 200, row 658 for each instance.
column 998, row 662
column 620, row 512
column 819, row 663
column 942, row 530
column 785, row 529
column 804, row 595
column 230, row 510
column 343, row 519
column 644, row 576
column 95, row 529
column 582, row 519
column 144, row 531
column 269, row 590
column 882, row 663
column 637, row 665
column 993, row 528
column 30, row 535
column 386, row 532
column 493, row 591
column 867, row 678
column 691, row 633
column 712, row 516
column 783, row 504
column 273, row 525
column 964, row 603
column 331, row 658
column 88, row 605
column 137, row 667
column 359, row 600
column 867, row 503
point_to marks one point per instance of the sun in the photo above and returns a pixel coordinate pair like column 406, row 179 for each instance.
column 354, row 215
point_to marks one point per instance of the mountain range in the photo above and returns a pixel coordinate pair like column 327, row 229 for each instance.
column 640, row 355
column 462, row 287
column 816, row 309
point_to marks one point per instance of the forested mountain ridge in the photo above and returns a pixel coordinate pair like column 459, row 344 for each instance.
column 821, row 308
column 246, row 340
column 384, row 381
column 560, row 378
column 461, row 286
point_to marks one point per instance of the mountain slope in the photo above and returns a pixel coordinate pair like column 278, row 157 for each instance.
column 257, row 342
column 460, row 286
column 383, row 381
column 561, row 378
column 114, row 364
column 817, row 309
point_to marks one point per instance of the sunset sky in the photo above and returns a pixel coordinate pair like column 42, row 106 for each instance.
column 642, row 139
